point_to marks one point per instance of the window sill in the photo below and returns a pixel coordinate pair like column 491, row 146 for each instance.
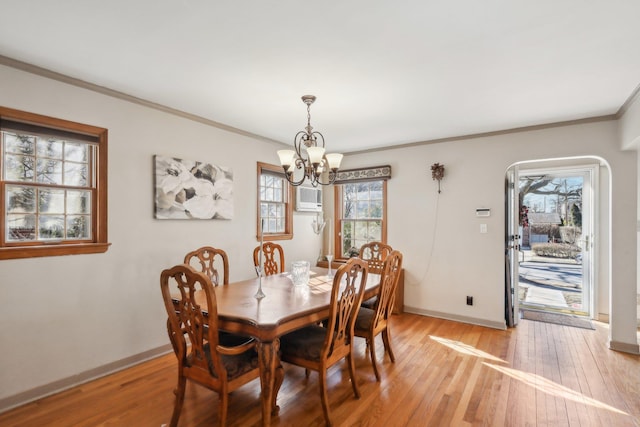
column 17, row 252
column 334, row 264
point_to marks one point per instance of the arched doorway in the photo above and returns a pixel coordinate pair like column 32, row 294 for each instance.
column 552, row 236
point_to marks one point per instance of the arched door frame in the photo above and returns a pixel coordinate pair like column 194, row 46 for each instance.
column 602, row 231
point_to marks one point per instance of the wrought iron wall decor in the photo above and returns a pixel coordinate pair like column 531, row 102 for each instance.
column 437, row 173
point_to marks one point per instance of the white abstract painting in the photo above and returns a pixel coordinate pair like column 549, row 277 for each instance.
column 189, row 189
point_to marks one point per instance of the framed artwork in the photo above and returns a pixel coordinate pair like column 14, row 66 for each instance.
column 191, row 189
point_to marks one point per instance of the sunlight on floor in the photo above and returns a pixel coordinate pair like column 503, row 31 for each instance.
column 465, row 349
column 549, row 387
column 533, row 380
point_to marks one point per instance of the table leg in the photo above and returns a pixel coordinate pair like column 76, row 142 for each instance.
column 271, row 377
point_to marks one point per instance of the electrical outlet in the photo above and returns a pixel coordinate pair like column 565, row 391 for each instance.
column 469, row 300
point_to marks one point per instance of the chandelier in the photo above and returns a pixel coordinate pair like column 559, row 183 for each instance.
column 309, row 155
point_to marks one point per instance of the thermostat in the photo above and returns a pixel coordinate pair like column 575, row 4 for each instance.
column 482, row 212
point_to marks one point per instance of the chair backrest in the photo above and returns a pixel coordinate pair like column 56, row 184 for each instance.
column 210, row 261
column 375, row 253
column 346, row 296
column 188, row 324
column 273, row 258
column 388, row 283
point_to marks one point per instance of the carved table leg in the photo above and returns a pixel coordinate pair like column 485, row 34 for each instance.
column 271, row 375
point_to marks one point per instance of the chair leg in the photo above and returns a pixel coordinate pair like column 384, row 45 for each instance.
column 372, row 351
column 324, row 397
column 224, row 404
column 177, row 407
column 386, row 338
column 352, row 374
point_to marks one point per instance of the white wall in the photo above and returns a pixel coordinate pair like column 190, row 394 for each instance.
column 445, row 255
column 62, row 316
column 630, row 139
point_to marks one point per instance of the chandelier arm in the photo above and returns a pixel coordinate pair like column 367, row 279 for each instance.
column 314, row 135
column 298, row 141
column 293, row 182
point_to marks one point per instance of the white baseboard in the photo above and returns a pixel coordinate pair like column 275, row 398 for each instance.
column 624, row 347
column 81, row 378
column 463, row 319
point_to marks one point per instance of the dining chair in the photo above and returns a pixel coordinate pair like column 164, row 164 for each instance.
column 318, row 348
column 374, row 253
column 202, row 357
column 213, row 262
column 273, row 258
column 210, row 261
column 372, row 322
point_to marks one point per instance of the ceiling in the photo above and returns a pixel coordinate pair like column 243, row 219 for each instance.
column 385, row 73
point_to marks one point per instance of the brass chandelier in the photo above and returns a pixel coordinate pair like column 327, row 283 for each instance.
column 309, row 155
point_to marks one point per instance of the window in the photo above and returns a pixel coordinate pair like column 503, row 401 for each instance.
column 53, row 186
column 361, row 215
column 274, row 203
column 360, row 212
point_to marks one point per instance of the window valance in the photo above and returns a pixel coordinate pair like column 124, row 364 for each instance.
column 364, row 174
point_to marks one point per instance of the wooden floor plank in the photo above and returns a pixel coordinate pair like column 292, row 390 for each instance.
column 446, row 373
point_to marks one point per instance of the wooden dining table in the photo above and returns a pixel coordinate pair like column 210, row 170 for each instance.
column 284, row 308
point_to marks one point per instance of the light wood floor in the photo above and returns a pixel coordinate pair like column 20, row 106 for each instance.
column 446, row 374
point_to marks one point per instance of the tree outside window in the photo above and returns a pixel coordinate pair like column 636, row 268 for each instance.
column 361, row 215
column 274, row 203
column 53, row 186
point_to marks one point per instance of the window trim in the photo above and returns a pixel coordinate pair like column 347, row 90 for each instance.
column 337, row 216
column 288, row 227
column 99, row 244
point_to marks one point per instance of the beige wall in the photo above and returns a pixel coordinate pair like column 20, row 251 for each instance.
column 65, row 316
column 446, row 256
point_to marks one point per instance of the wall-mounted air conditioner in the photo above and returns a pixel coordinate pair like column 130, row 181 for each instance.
column 308, row 199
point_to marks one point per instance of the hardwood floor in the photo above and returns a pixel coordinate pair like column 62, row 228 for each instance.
column 446, row 374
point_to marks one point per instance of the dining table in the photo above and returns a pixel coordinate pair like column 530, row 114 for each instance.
column 284, row 308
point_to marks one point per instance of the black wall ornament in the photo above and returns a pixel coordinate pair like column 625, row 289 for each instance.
column 437, row 173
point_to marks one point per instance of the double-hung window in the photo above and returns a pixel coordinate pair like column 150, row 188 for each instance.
column 361, row 209
column 53, row 186
column 275, row 207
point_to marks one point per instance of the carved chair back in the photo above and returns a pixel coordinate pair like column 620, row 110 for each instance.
column 388, row 283
column 212, row 262
column 375, row 253
column 273, row 258
column 346, row 296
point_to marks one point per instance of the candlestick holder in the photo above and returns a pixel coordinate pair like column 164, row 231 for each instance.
column 330, row 272
column 318, row 224
column 260, row 267
column 259, row 294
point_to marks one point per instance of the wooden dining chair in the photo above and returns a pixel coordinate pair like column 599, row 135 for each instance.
column 372, row 322
column 374, row 253
column 317, row 348
column 202, row 357
column 273, row 258
column 212, row 262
